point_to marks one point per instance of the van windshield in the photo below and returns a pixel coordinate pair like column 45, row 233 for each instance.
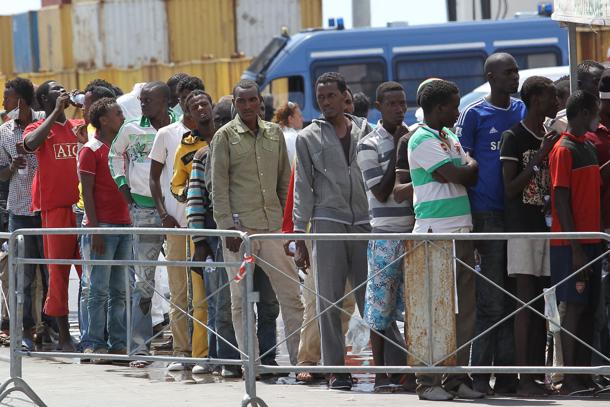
column 263, row 60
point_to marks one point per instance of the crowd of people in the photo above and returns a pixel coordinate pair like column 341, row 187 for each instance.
column 167, row 155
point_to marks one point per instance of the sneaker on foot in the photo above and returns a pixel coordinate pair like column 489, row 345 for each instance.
column 198, row 369
column 465, row 392
column 435, row 393
column 231, row 372
column 175, row 367
column 340, row 382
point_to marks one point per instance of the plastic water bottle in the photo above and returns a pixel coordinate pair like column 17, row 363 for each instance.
column 292, row 247
column 209, row 269
column 24, row 170
column 236, row 222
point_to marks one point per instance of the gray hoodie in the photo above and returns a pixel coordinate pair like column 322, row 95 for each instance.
column 327, row 187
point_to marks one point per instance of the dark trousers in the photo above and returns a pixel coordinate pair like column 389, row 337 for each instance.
column 33, row 249
column 498, row 346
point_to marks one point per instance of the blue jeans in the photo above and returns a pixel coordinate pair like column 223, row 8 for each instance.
column 145, row 247
column 83, row 289
column 498, row 346
column 33, row 249
column 108, row 285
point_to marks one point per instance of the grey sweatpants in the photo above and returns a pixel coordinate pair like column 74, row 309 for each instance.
column 336, row 261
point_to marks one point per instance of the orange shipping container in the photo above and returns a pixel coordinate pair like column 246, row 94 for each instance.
column 6, row 50
column 200, row 29
column 55, row 38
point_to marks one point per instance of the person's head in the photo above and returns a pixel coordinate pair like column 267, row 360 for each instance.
column 502, row 73
column 604, row 96
column 562, row 86
column 421, row 87
column 106, row 115
column 440, row 101
column 362, row 104
column 92, row 95
column 222, row 111
column 289, row 115
column 47, row 93
column 349, row 102
column 101, row 83
column 185, row 87
column 247, row 100
column 18, row 93
column 199, row 106
column 331, row 93
column 539, row 95
column 172, row 83
column 391, row 101
column 154, row 99
column 582, row 110
column 588, row 74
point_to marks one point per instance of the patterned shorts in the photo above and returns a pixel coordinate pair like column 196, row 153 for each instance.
column 384, row 301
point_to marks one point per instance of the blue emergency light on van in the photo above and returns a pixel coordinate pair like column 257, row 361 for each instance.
column 289, row 65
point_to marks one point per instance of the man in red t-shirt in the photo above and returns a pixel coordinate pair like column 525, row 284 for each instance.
column 105, row 206
column 54, row 191
column 575, row 183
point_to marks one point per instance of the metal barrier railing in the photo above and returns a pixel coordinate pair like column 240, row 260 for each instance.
column 433, row 366
column 16, row 293
column 250, row 362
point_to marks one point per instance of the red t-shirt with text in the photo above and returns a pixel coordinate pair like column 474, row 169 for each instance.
column 110, row 206
column 55, row 184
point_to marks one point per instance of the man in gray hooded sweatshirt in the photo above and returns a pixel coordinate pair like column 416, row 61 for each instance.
column 329, row 195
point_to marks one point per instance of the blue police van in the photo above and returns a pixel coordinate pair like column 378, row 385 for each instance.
column 289, row 65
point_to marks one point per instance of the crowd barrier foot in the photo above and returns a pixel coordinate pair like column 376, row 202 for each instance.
column 253, row 401
column 20, row 385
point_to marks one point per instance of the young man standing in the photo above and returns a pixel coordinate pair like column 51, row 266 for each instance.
column 105, row 206
column 525, row 170
column 19, row 170
column 441, row 170
column 250, row 174
column 480, row 128
column 172, row 215
column 199, row 108
column 576, row 183
column 384, row 301
column 130, row 168
column 54, row 191
column 329, row 194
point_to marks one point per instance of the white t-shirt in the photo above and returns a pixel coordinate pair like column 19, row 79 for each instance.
column 163, row 151
column 290, row 137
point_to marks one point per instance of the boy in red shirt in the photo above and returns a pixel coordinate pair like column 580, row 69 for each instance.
column 105, row 207
column 576, row 183
column 54, row 191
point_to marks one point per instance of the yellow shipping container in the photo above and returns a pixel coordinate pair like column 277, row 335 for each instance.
column 200, row 29
column 55, row 38
column 311, row 13
column 6, row 50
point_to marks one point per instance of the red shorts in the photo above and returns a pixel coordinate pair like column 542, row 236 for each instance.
column 59, row 247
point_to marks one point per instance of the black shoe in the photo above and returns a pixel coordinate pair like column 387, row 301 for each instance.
column 340, row 382
column 482, row 387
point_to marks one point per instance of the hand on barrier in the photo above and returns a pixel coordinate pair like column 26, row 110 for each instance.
column 301, row 256
column 233, row 244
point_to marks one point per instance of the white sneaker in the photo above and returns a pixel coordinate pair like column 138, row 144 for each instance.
column 175, row 367
column 435, row 393
column 198, row 369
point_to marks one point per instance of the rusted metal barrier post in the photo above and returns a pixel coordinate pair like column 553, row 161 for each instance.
column 429, row 280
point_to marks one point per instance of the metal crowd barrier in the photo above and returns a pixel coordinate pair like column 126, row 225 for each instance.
column 251, row 363
column 16, row 382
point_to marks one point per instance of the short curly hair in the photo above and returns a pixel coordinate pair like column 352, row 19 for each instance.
column 437, row 93
column 22, row 87
column 99, row 109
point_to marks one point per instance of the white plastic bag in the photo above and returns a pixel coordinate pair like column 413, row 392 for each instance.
column 358, row 334
column 550, row 309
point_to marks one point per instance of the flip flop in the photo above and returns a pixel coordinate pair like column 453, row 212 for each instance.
column 140, row 364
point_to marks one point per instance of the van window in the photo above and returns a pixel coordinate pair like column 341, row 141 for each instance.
column 361, row 76
column 465, row 69
column 541, row 57
column 286, row 89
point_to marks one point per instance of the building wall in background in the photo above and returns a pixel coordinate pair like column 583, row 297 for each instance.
column 464, row 8
column 55, row 38
column 25, row 42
